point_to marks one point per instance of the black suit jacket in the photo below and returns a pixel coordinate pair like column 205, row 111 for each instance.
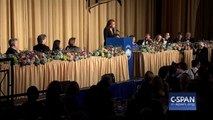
column 192, row 40
column 202, row 55
column 41, row 48
column 108, row 34
column 11, row 51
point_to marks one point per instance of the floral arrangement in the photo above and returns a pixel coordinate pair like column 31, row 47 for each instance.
column 66, row 55
column 162, row 47
column 29, row 57
column 109, row 52
column 208, row 44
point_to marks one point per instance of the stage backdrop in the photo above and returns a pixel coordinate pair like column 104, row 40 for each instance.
column 62, row 19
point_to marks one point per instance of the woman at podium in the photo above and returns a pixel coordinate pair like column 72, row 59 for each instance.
column 110, row 30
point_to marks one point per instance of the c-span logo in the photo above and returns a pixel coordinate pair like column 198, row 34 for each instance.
column 128, row 51
column 182, row 101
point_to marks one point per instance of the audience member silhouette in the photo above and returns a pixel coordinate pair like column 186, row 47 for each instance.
column 54, row 108
column 32, row 109
column 71, row 103
column 98, row 100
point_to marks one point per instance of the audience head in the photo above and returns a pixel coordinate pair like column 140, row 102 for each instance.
column 163, row 72
column 157, row 85
column 110, row 23
column 184, row 81
column 72, row 41
column 182, row 66
column 32, row 93
column 149, row 76
column 111, row 75
column 105, row 82
column 53, row 90
column 173, row 68
column 41, row 39
column 56, row 45
column 73, row 89
column 13, row 43
column 195, row 63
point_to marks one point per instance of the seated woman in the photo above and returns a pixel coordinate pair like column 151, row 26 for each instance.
column 56, row 45
column 134, row 44
column 71, row 45
column 41, row 47
column 13, row 49
column 158, row 39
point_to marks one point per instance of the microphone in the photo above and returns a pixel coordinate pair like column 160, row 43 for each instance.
column 119, row 32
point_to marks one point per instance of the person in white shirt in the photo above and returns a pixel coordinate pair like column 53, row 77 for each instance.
column 193, row 72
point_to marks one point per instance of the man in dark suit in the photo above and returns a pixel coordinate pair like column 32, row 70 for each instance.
column 41, row 47
column 168, row 38
column 13, row 49
column 179, row 38
column 189, row 38
column 201, row 53
column 146, row 41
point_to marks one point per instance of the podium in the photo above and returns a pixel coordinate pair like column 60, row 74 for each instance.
column 126, row 44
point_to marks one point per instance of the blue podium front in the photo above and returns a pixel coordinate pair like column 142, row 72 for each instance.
column 126, row 44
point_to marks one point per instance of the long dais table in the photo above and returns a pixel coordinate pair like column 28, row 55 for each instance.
column 144, row 62
column 86, row 72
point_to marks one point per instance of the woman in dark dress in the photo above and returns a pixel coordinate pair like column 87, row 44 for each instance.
column 56, row 45
column 110, row 30
column 71, row 45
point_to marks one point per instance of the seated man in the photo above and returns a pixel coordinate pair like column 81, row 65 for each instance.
column 41, row 47
column 146, row 41
column 168, row 38
column 179, row 38
column 13, row 49
column 193, row 72
column 188, row 38
column 71, row 45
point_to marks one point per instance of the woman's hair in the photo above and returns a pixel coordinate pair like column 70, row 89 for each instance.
column 184, row 81
column 109, row 22
column 73, row 88
column 157, row 83
column 53, row 91
column 56, row 45
column 156, row 38
column 72, row 38
column 32, row 93
column 182, row 65
column 149, row 76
